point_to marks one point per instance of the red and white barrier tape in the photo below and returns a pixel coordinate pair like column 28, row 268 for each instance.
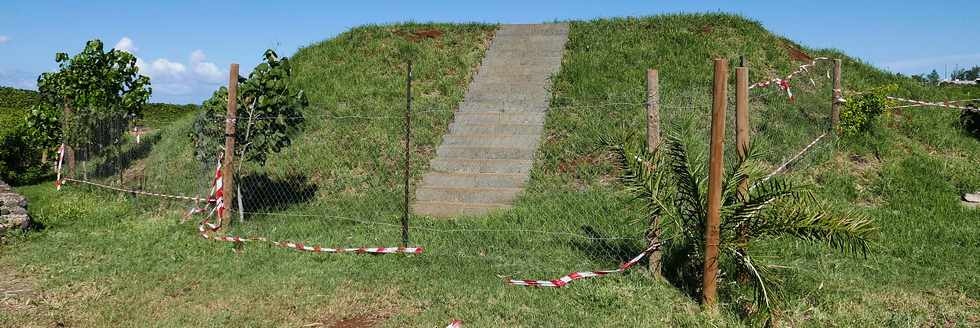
column 783, row 83
column 217, row 194
column 927, row 103
column 569, row 278
column 206, row 228
column 61, row 159
column 135, row 192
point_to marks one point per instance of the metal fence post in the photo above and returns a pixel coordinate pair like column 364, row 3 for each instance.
column 408, row 152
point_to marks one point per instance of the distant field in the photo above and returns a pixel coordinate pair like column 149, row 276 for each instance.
column 15, row 103
column 106, row 259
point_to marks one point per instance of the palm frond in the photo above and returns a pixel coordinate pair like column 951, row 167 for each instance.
column 847, row 232
column 765, row 283
column 689, row 200
column 643, row 174
column 749, row 212
column 740, row 170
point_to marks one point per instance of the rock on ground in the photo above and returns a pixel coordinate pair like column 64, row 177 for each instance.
column 13, row 209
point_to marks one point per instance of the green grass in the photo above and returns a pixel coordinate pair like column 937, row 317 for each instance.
column 110, row 260
column 161, row 115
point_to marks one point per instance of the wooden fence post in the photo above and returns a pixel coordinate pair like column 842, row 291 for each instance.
column 742, row 144
column 228, row 162
column 653, row 110
column 653, row 143
column 716, row 160
column 838, row 93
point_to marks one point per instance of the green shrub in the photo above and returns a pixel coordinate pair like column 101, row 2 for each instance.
column 20, row 161
column 861, row 111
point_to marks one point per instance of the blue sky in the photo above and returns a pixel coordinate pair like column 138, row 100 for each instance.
column 186, row 46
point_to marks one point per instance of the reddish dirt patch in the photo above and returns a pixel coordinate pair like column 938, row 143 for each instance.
column 706, row 29
column 418, row 35
column 797, row 54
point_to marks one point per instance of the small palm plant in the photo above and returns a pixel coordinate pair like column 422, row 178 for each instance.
column 673, row 186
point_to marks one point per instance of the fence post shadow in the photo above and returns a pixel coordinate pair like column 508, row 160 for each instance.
column 260, row 193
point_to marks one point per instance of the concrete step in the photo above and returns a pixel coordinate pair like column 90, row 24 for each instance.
column 473, row 180
column 495, row 128
column 501, row 69
column 512, row 36
column 456, row 165
column 477, row 152
column 542, row 43
column 521, row 53
column 539, row 99
column 517, row 29
column 512, row 78
column 449, row 209
column 499, row 118
column 467, row 195
column 510, row 85
column 492, row 140
column 536, row 88
column 519, row 57
column 492, row 107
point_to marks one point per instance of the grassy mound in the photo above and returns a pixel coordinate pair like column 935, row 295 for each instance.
column 100, row 249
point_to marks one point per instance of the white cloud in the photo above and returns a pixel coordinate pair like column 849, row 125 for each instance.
column 4, row 39
column 207, row 71
column 165, row 67
column 198, row 56
column 126, row 44
column 175, row 80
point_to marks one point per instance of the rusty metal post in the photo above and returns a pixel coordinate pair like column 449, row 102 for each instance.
column 838, row 93
column 408, row 153
column 716, row 161
column 742, row 145
column 228, row 165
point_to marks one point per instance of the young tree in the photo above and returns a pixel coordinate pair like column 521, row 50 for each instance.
column 269, row 111
column 92, row 88
column 933, row 77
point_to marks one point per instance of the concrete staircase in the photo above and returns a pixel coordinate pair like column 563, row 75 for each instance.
column 485, row 159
